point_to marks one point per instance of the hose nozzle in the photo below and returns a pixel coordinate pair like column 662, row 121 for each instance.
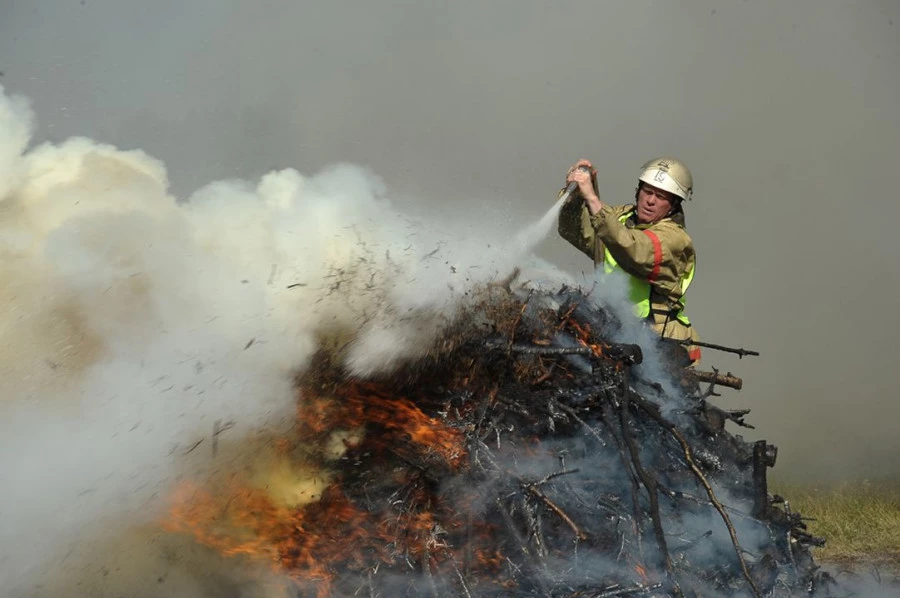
column 570, row 188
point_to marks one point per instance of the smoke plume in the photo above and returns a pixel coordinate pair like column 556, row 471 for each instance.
column 137, row 326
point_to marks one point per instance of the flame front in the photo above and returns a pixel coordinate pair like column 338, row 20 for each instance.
column 395, row 421
column 312, row 542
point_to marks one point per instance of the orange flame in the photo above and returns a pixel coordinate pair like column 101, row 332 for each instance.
column 642, row 573
column 398, row 418
column 306, row 543
column 583, row 335
column 313, row 541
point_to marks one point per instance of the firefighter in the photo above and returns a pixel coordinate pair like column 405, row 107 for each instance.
column 647, row 240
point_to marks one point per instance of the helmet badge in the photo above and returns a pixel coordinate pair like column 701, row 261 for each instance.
column 662, row 169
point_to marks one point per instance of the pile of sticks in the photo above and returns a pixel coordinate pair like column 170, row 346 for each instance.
column 578, row 472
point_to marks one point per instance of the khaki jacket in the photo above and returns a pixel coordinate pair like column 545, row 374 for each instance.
column 659, row 253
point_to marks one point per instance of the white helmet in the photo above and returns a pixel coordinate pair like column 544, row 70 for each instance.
column 669, row 175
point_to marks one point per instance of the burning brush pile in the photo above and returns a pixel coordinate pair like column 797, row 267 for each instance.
column 526, row 456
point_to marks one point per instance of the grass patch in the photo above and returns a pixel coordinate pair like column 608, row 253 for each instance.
column 860, row 521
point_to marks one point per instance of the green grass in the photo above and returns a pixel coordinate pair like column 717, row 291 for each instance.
column 860, row 521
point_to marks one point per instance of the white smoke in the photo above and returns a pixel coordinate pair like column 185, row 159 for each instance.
column 134, row 323
column 136, row 326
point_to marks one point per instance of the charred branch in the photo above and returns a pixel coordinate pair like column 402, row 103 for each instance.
column 538, row 350
column 653, row 412
column 728, row 380
column 740, row 352
column 536, row 492
column 627, row 353
column 651, row 485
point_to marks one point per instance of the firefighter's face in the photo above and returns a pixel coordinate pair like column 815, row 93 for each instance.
column 653, row 204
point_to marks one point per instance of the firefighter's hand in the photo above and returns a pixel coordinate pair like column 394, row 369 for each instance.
column 585, row 175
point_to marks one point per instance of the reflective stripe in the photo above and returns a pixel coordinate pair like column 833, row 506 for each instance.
column 657, row 255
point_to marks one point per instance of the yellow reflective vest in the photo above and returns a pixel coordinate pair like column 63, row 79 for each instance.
column 639, row 288
column 659, row 259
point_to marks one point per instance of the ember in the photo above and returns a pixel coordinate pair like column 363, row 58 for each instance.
column 530, row 456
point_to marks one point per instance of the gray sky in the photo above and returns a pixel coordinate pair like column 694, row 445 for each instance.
column 785, row 112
